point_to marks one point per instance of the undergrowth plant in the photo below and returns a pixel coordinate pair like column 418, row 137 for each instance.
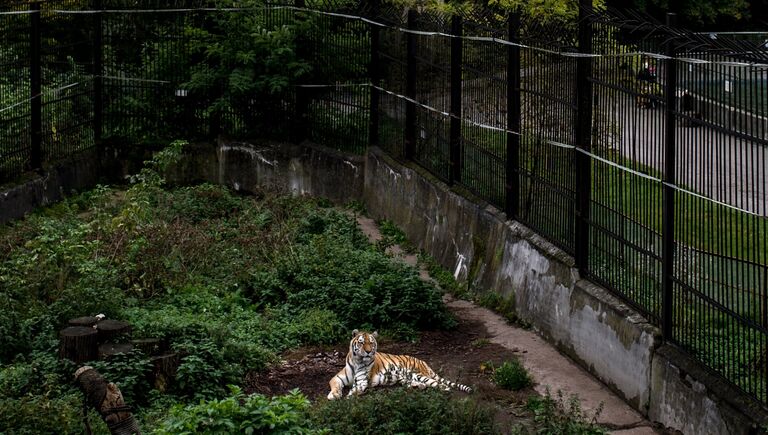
column 511, row 375
column 560, row 415
column 238, row 413
column 402, row 410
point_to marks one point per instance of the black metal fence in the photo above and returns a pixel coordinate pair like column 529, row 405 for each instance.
column 636, row 147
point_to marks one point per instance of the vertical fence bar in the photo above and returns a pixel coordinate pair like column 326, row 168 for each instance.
column 454, row 175
column 668, row 201
column 410, row 88
column 300, row 128
column 36, row 106
column 375, row 74
column 583, row 136
column 513, row 119
column 98, row 72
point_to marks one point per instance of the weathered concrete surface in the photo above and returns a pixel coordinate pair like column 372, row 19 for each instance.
column 686, row 397
column 76, row 173
column 248, row 167
column 480, row 246
column 551, row 370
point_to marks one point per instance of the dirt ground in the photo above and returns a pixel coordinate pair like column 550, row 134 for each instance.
column 460, row 355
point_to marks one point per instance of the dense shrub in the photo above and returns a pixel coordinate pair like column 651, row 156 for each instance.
column 558, row 415
column 129, row 371
column 241, row 414
column 403, row 410
column 511, row 375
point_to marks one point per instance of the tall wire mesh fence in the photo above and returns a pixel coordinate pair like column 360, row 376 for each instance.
column 675, row 217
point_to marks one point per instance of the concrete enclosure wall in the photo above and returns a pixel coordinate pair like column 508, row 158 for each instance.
column 480, row 246
column 79, row 172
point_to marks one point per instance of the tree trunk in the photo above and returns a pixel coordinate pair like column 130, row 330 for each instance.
column 87, row 321
column 107, row 350
column 107, row 400
column 164, row 370
column 109, row 329
column 78, row 343
column 150, row 346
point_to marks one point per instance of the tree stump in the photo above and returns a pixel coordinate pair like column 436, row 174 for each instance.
column 150, row 346
column 78, row 343
column 87, row 321
column 107, row 350
column 164, row 370
column 107, row 400
column 109, row 329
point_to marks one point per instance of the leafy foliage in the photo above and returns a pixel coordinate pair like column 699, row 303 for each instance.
column 129, row 372
column 511, row 375
column 558, row 415
column 405, row 411
column 241, row 414
column 248, row 66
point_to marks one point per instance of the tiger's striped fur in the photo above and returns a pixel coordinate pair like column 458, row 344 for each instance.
column 366, row 367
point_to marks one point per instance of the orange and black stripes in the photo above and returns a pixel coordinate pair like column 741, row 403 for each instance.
column 365, row 367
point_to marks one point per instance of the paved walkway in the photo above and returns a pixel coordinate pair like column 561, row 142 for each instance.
column 547, row 366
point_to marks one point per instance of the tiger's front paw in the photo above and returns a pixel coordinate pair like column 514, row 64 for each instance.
column 334, row 395
column 356, row 392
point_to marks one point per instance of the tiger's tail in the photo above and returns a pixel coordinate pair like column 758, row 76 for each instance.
column 436, row 381
column 453, row 385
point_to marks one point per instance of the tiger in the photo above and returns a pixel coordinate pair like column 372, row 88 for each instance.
column 365, row 367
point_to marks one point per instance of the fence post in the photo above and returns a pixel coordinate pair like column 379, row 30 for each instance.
column 583, row 136
column 300, row 129
column 668, row 204
column 375, row 75
column 454, row 175
column 410, row 88
column 98, row 72
column 514, row 123
column 36, row 107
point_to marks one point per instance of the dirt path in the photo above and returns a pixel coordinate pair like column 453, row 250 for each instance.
column 463, row 354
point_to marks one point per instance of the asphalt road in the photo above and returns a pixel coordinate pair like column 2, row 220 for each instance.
column 714, row 164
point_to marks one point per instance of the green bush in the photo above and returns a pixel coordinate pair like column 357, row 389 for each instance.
column 241, row 414
column 403, row 410
column 318, row 326
column 203, row 371
column 60, row 414
column 129, row 371
column 511, row 375
column 558, row 415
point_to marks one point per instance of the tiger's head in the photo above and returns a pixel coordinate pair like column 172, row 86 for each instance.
column 363, row 345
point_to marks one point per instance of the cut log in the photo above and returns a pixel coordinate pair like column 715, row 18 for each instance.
column 107, row 400
column 107, row 350
column 164, row 370
column 150, row 346
column 78, row 344
column 87, row 321
column 109, row 329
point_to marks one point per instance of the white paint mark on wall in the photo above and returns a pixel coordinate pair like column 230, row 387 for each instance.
column 246, row 148
column 459, row 266
column 393, row 174
column 347, row 162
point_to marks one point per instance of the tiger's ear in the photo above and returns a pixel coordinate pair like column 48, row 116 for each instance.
column 354, row 332
column 375, row 334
